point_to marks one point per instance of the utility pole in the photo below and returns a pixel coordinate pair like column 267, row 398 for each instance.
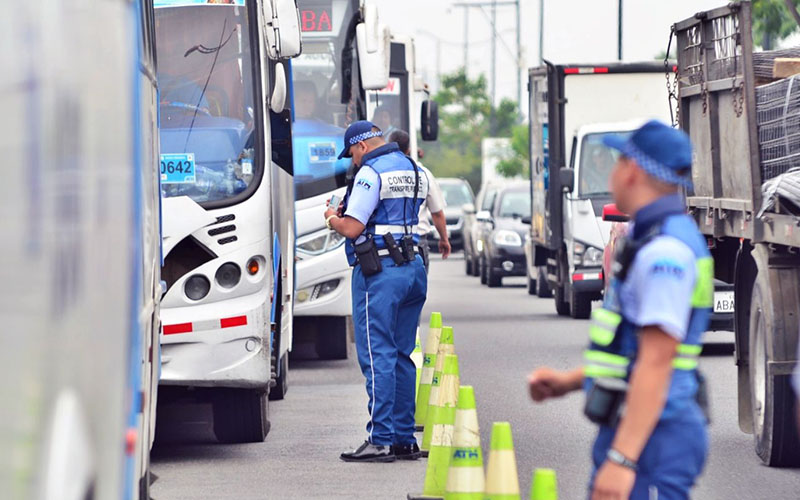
column 466, row 42
column 493, row 125
column 619, row 32
column 519, row 60
column 541, row 32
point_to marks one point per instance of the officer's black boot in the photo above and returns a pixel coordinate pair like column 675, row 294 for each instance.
column 369, row 452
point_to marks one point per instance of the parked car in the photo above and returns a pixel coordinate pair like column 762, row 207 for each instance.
column 501, row 232
column 472, row 251
column 722, row 314
column 457, row 194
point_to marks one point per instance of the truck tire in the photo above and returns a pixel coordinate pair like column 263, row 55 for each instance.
column 484, row 273
column 467, row 264
column 773, row 401
column 531, row 286
column 281, row 387
column 241, row 415
column 543, row 290
column 580, row 305
column 562, row 306
column 493, row 279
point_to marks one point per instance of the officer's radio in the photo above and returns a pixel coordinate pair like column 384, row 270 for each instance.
column 605, row 401
column 408, row 248
column 394, row 251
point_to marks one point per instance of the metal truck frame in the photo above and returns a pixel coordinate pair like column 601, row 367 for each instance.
column 717, row 107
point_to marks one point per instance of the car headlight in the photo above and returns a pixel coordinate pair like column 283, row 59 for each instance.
column 587, row 256
column 507, row 238
column 197, row 287
column 320, row 242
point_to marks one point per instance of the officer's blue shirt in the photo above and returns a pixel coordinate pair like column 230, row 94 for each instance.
column 365, row 196
column 660, row 282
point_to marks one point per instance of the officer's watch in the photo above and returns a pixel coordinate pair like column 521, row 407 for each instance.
column 620, row 459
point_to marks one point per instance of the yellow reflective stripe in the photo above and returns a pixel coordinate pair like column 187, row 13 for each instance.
column 600, row 335
column 690, row 350
column 703, row 295
column 684, row 363
column 596, row 371
column 611, row 319
column 607, row 358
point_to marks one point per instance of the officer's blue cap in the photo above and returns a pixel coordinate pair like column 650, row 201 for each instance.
column 357, row 132
column 659, row 149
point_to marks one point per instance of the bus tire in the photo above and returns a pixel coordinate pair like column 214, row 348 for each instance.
column 331, row 340
column 773, row 401
column 281, row 387
column 241, row 415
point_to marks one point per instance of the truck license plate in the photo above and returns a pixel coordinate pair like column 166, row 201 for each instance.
column 723, row 302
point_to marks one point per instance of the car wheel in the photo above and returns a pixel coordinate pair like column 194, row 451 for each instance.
column 493, row 279
column 543, row 290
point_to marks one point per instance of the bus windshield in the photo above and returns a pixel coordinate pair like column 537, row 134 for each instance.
column 207, row 125
column 320, row 117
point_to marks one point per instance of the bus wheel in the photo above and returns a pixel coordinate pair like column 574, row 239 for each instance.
column 241, row 415
column 278, row 392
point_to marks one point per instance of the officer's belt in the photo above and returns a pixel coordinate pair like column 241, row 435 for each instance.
column 381, row 229
column 385, row 252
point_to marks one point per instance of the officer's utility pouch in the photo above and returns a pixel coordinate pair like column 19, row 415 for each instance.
column 367, row 255
column 394, row 251
column 605, row 401
column 408, row 248
column 702, row 396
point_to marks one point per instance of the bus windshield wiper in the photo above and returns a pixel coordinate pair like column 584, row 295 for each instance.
column 205, row 50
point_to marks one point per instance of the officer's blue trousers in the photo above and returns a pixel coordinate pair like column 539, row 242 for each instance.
column 386, row 309
column 671, row 460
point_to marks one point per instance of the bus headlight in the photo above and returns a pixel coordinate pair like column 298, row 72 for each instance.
column 228, row 275
column 197, row 287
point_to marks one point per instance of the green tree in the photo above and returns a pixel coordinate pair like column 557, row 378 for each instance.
column 465, row 118
column 772, row 22
column 518, row 164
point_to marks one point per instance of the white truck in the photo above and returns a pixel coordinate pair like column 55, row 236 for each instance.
column 744, row 132
column 80, row 264
column 571, row 108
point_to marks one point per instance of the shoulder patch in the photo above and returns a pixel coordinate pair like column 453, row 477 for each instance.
column 668, row 267
column 364, row 183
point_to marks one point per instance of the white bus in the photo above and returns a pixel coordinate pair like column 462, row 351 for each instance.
column 79, row 264
column 329, row 81
column 227, row 198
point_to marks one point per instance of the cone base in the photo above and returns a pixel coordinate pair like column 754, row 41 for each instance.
column 419, row 428
column 420, row 496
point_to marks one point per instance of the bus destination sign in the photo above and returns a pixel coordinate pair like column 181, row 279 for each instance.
column 316, row 17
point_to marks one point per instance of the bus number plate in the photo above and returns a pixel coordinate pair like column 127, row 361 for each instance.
column 322, row 152
column 177, row 168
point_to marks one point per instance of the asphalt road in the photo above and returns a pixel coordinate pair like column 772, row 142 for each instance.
column 500, row 335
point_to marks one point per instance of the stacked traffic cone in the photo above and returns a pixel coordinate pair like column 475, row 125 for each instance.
column 428, row 366
column 465, row 480
column 435, row 399
column 502, row 482
column 416, row 357
column 544, row 485
column 441, row 420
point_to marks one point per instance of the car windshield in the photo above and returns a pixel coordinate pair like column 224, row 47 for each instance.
column 320, row 117
column 597, row 161
column 207, row 127
column 455, row 194
column 515, row 204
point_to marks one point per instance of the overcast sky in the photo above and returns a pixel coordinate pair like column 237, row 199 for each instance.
column 574, row 31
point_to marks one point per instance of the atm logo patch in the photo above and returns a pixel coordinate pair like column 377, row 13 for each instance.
column 363, row 183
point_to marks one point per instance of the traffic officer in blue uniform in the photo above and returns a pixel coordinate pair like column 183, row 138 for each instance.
column 640, row 376
column 378, row 218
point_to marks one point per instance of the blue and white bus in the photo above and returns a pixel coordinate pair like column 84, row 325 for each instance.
column 80, row 261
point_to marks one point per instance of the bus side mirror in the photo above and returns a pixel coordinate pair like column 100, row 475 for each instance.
column 372, row 35
column 373, row 65
column 566, row 177
column 282, row 26
column 612, row 214
column 430, row 120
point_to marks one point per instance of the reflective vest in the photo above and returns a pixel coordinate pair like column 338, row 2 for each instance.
column 614, row 338
column 397, row 211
